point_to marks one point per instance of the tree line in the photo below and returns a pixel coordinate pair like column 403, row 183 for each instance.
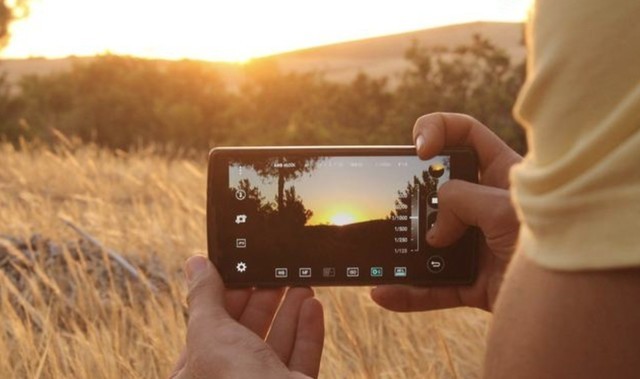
column 124, row 102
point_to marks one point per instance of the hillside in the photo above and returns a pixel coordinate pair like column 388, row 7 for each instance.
column 375, row 56
column 385, row 55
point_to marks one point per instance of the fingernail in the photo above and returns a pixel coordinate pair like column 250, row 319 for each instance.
column 194, row 266
column 419, row 143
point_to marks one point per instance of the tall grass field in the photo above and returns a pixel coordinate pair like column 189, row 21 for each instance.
column 69, row 309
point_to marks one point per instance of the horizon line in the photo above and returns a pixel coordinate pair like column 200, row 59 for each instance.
column 266, row 56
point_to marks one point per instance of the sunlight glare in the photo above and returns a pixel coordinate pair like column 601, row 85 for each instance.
column 229, row 30
column 341, row 219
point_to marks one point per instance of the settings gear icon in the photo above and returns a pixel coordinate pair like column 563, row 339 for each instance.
column 241, row 267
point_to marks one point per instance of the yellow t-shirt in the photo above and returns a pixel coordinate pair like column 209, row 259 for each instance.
column 578, row 190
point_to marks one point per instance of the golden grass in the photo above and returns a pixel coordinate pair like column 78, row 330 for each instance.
column 149, row 207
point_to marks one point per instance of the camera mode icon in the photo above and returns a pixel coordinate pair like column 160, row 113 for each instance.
column 400, row 272
column 376, row 272
column 353, row 272
column 241, row 267
column 435, row 264
column 304, row 272
column 432, row 200
column 329, row 272
column 240, row 194
column 241, row 219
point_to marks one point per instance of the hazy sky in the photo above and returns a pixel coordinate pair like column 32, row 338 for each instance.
column 354, row 188
column 230, row 30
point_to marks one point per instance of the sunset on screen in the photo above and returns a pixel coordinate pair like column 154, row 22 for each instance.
column 345, row 190
column 341, row 214
column 342, row 219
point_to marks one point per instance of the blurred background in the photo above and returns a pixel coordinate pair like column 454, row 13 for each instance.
column 107, row 112
column 125, row 75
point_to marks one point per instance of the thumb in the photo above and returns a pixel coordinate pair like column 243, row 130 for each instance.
column 462, row 204
column 206, row 293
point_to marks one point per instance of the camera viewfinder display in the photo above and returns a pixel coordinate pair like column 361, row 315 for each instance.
column 330, row 219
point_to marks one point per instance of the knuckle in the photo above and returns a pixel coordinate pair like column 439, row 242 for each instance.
column 198, row 289
column 449, row 191
column 425, row 120
column 264, row 354
column 504, row 210
column 472, row 120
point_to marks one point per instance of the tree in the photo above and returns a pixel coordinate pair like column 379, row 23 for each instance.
column 122, row 101
column 10, row 106
column 254, row 202
column 283, row 169
column 344, row 113
column 270, row 101
column 8, row 13
column 10, row 109
column 477, row 78
column 294, row 213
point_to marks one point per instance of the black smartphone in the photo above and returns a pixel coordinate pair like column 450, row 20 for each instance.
column 282, row 216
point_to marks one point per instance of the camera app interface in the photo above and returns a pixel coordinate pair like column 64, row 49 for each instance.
column 328, row 218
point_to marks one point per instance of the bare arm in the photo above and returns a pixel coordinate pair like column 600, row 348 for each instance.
column 559, row 324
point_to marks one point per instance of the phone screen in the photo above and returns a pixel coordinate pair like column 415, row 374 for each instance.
column 314, row 218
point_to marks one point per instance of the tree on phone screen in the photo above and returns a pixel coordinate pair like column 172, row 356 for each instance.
column 284, row 170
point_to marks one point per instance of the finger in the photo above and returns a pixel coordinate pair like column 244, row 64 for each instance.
column 180, row 364
column 307, row 349
column 401, row 298
column 434, row 131
column 206, row 292
column 462, row 204
column 236, row 301
column 261, row 307
column 283, row 331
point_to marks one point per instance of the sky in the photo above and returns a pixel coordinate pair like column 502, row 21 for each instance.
column 343, row 190
column 230, row 30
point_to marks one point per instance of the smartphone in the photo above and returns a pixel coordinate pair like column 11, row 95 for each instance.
column 334, row 216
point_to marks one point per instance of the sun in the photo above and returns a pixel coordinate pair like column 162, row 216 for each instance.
column 342, row 218
column 338, row 215
column 225, row 30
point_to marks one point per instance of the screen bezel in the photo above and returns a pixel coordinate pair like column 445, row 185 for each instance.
column 463, row 167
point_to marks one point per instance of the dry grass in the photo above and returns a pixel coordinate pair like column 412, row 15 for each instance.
column 63, row 323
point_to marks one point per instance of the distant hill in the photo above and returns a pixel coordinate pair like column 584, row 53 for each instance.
column 380, row 56
column 385, row 55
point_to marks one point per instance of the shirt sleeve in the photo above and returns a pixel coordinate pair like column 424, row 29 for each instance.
column 578, row 190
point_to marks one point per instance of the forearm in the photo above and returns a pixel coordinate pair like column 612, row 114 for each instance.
column 559, row 324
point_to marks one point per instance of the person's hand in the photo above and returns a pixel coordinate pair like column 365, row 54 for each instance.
column 486, row 205
column 227, row 330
